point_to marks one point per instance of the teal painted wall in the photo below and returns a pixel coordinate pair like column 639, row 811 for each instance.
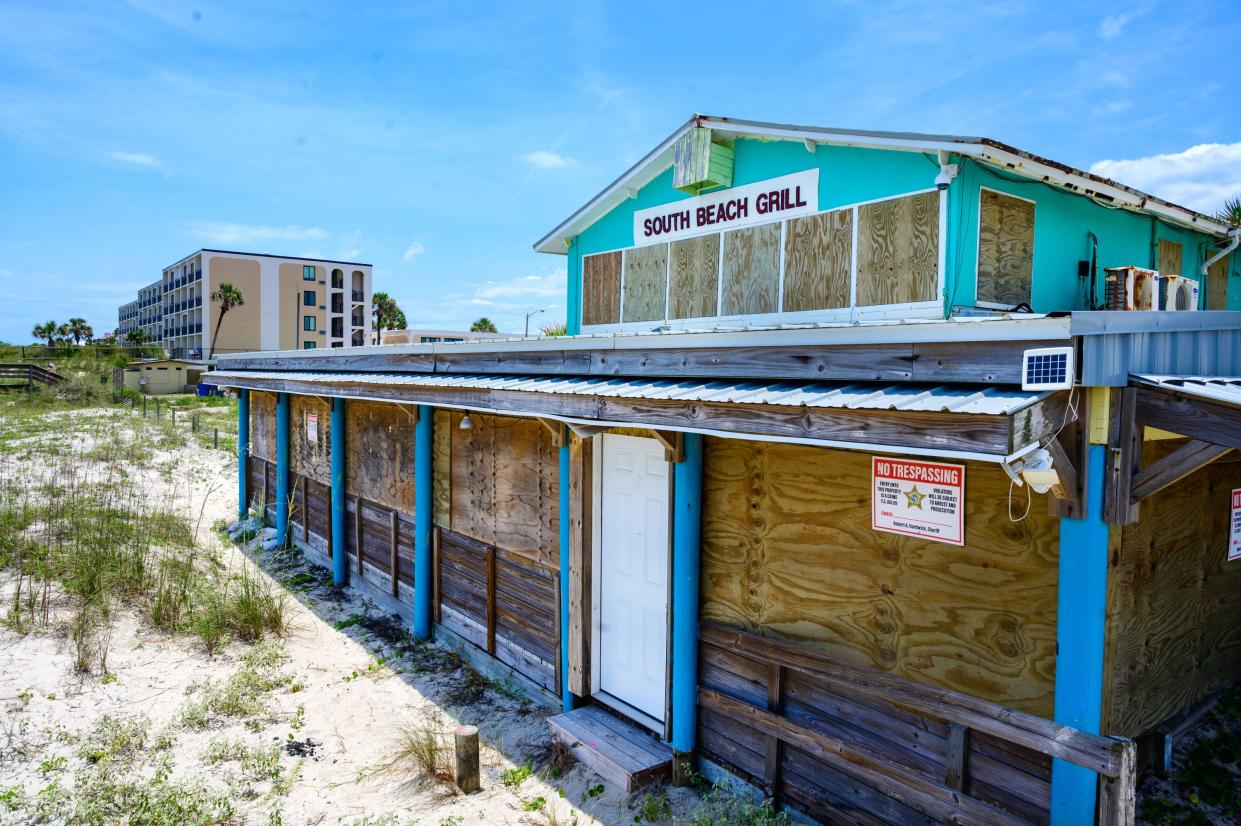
column 850, row 175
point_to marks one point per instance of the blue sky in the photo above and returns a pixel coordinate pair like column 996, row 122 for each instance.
column 438, row 141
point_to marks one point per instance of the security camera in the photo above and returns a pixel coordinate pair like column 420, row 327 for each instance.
column 947, row 172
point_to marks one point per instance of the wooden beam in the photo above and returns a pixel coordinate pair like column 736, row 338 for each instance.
column 1173, row 468
column 775, row 704
column 581, row 501
column 956, row 756
column 673, row 442
column 357, row 530
column 1196, row 418
column 394, row 559
column 491, row 600
column 1040, row 420
column 1118, row 795
column 435, row 571
column 1124, row 458
column 1068, row 491
column 558, row 430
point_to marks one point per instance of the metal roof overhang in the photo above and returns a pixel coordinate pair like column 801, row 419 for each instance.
column 985, row 423
column 1205, row 408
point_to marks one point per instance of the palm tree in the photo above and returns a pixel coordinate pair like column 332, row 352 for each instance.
column 558, row 329
column 483, row 325
column 78, row 329
column 387, row 315
column 136, row 338
column 46, row 331
column 1231, row 212
column 227, row 297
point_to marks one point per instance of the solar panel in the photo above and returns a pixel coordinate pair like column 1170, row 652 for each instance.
column 1048, row 368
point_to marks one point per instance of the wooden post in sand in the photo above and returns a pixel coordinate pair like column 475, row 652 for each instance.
column 466, row 769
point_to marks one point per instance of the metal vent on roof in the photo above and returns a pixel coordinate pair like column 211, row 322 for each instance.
column 1047, row 368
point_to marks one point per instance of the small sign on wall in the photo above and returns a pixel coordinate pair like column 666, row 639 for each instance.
column 312, row 427
column 922, row 499
column 1234, row 519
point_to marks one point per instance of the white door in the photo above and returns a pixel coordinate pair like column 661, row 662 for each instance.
column 632, row 573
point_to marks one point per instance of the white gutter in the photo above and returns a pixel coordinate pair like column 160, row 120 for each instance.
column 1234, row 236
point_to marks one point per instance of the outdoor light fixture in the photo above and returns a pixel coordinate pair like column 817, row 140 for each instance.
column 466, row 424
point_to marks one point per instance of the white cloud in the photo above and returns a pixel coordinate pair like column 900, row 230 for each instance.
column 1113, row 107
column 1113, row 25
column 546, row 159
column 1202, row 177
column 533, row 286
column 231, row 233
column 137, row 159
column 413, row 250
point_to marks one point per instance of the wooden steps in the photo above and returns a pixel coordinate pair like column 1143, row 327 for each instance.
column 617, row 751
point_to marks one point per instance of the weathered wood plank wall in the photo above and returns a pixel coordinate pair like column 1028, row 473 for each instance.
column 694, row 277
column 645, row 283
column 788, row 550
column 307, row 457
column 263, row 425
column 751, row 270
column 601, row 288
column 1217, row 284
column 1005, row 248
column 1174, row 601
column 1170, row 257
column 898, row 250
column 379, row 453
column 818, row 257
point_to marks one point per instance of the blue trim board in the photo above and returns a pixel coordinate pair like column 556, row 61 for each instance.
column 340, row 559
column 1080, row 619
column 566, row 696
column 686, row 548
column 423, row 518
column 243, row 453
column 282, row 468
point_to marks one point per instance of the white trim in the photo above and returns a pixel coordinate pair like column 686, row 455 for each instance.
column 596, row 540
column 995, row 305
column 853, row 264
column 719, row 277
column 784, row 235
column 942, row 257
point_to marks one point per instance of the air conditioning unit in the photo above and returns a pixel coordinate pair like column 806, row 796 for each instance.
column 1178, row 293
column 1130, row 288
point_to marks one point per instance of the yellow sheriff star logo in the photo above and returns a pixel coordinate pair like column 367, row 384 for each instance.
column 914, row 498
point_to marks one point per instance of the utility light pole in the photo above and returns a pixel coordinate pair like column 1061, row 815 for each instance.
column 533, row 312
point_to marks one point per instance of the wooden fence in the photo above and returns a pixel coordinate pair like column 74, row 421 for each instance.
column 846, row 743
column 28, row 375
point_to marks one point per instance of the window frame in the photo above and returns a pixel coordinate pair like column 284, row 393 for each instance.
column 309, row 323
column 308, row 298
column 995, row 305
column 310, row 345
column 309, row 272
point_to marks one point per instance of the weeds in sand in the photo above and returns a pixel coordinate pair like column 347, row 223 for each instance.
column 515, row 776
column 423, row 748
column 243, row 696
column 104, row 796
column 114, row 739
column 653, row 808
column 258, row 763
column 720, row 807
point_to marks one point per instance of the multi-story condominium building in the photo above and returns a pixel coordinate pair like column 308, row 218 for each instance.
column 289, row 303
column 127, row 319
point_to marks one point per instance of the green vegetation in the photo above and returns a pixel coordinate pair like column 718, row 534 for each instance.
column 516, row 776
column 483, row 325
column 243, row 696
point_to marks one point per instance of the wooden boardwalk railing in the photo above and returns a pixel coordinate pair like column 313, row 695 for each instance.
column 838, row 738
column 28, row 375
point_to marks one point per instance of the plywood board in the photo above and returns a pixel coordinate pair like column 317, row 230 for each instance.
column 601, row 288
column 818, row 257
column 1170, row 258
column 645, row 283
column 379, row 453
column 787, row 550
column 441, row 470
column 308, row 458
column 263, row 425
column 751, row 271
column 694, row 274
column 505, row 485
column 898, row 250
column 1217, row 284
column 1174, row 601
column 1005, row 248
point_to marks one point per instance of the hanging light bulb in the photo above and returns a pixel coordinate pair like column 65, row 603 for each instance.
column 466, row 424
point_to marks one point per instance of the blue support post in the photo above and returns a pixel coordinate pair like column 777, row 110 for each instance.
column 340, row 559
column 1080, row 619
column 686, row 531
column 243, row 453
column 282, row 468
column 566, row 696
column 423, row 517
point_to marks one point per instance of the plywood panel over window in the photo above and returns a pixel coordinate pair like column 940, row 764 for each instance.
column 601, row 288
column 263, row 425
column 818, row 256
column 1217, row 284
column 379, row 453
column 751, row 270
column 1005, row 248
column 1170, row 258
column 694, row 274
column 898, row 250
column 646, row 282
column 310, row 457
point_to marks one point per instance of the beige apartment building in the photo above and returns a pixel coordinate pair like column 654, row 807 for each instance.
column 290, row 303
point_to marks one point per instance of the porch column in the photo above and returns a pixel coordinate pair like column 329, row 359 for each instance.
column 243, row 452
column 282, row 468
column 340, row 556
column 1080, row 622
column 566, row 504
column 686, row 531
column 423, row 518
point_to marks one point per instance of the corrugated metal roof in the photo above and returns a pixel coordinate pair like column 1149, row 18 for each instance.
column 943, row 398
column 1217, row 388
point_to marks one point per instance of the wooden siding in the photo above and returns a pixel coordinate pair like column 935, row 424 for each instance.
column 818, row 258
column 1173, row 599
column 379, row 452
column 1005, row 248
column 751, row 270
column 1170, row 259
column 505, row 485
column 313, row 459
column 601, row 288
column 694, row 274
column 1217, row 283
column 898, row 250
column 645, row 283
column 441, row 467
column 503, row 603
column 263, row 425
column 787, row 550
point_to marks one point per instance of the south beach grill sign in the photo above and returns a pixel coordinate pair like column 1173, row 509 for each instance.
column 757, row 203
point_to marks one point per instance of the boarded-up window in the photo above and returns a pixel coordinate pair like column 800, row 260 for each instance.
column 601, row 288
column 1169, row 258
column 751, row 270
column 818, row 251
column 1217, row 284
column 898, row 250
column 1005, row 248
column 694, row 274
column 646, row 281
